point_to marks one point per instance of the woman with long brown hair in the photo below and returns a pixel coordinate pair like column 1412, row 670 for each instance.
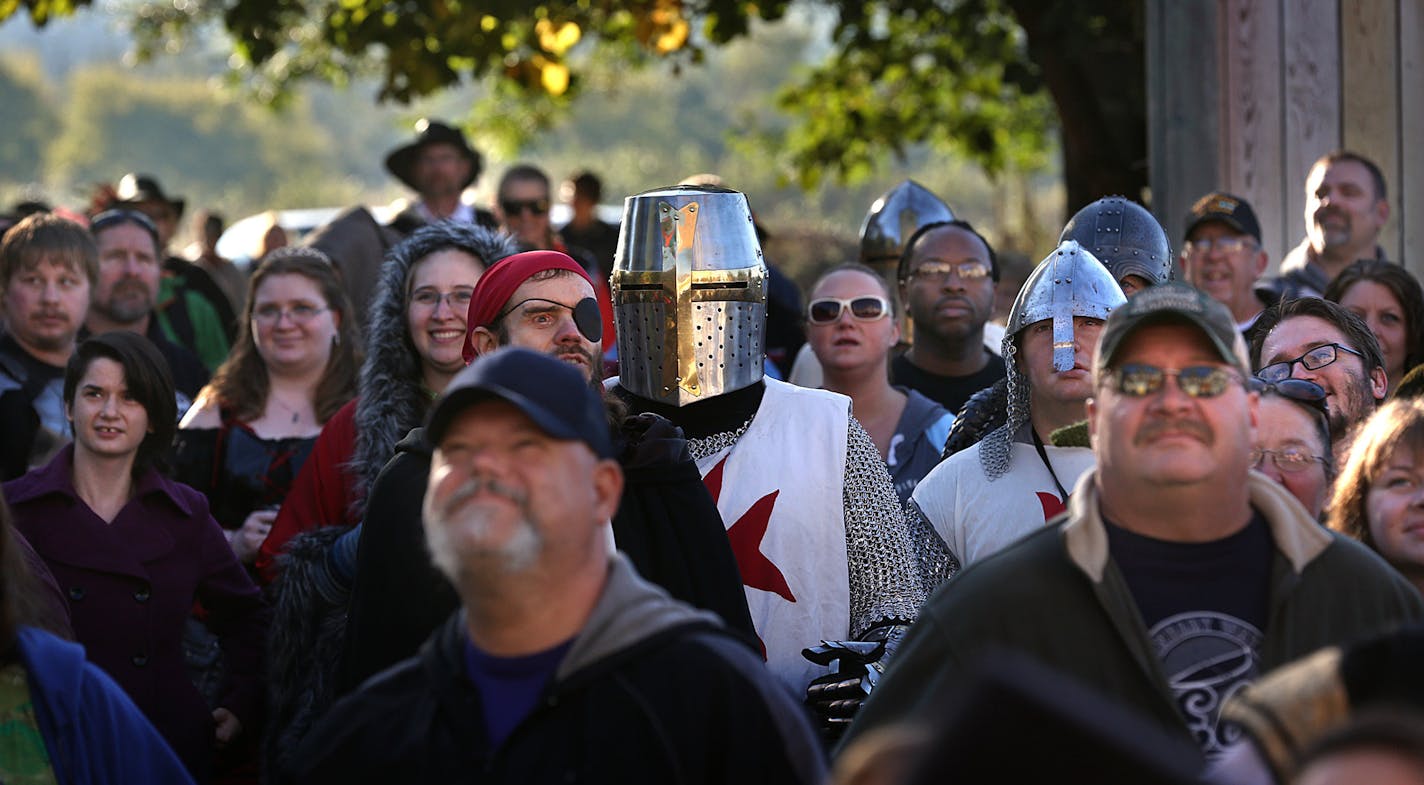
column 293, row 366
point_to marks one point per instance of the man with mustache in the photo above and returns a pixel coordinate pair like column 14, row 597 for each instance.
column 48, row 267
column 1017, row 478
column 1177, row 575
column 1320, row 341
column 947, row 276
column 564, row 664
column 126, row 293
column 669, row 527
column 1345, row 209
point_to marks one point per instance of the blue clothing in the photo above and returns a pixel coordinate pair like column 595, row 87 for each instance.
column 93, row 732
column 510, row 687
column 918, row 442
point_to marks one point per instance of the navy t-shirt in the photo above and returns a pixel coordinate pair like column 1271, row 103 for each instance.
column 510, row 687
column 1205, row 605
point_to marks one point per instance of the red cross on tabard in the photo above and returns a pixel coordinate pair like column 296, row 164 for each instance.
column 1052, row 505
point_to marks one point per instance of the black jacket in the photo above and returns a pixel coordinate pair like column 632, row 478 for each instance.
column 667, row 525
column 650, row 691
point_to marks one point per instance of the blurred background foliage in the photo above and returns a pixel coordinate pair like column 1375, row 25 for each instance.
column 812, row 108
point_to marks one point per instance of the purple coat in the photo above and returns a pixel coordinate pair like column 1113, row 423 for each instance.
column 131, row 585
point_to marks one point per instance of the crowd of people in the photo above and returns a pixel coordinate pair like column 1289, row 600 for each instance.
column 465, row 497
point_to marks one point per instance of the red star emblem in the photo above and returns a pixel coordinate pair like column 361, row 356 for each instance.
column 746, row 535
column 1052, row 505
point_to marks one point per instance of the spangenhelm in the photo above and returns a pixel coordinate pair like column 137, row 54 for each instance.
column 1069, row 282
column 689, row 295
column 1124, row 237
column 892, row 219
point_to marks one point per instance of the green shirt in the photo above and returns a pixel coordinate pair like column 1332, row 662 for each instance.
column 24, row 759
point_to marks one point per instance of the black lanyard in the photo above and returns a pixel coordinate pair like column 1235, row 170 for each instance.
column 1043, row 455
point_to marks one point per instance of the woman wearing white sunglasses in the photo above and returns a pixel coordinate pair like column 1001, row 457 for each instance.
column 851, row 327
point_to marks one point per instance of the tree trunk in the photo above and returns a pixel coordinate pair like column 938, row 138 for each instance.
column 1098, row 83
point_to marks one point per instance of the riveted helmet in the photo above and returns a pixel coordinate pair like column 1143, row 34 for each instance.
column 1124, row 237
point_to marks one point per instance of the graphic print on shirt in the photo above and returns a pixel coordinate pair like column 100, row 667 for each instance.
column 1207, row 658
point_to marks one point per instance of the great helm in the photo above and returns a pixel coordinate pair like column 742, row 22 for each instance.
column 689, row 295
column 892, row 219
column 1124, row 237
column 1069, row 282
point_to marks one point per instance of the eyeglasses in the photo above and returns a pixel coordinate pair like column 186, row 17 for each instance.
column 517, row 206
column 1227, row 245
column 1313, row 360
column 827, row 310
column 1291, row 460
column 271, row 314
column 1198, row 381
column 1302, row 391
column 932, row 271
column 429, row 299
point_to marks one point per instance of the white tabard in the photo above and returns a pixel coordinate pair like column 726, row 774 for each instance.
column 779, row 490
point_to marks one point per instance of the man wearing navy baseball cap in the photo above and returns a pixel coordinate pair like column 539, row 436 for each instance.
column 561, row 661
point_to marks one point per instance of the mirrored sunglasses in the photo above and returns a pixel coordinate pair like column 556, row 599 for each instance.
column 1198, row 381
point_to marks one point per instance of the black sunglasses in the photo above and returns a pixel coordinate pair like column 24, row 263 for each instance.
column 1302, row 391
column 517, row 206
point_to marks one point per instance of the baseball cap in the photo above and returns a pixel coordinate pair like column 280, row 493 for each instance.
column 1172, row 303
column 1227, row 209
column 552, row 393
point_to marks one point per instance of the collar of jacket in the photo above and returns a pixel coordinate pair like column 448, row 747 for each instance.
column 1299, row 538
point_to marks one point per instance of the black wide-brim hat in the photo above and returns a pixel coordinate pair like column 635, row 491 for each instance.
column 401, row 161
column 135, row 189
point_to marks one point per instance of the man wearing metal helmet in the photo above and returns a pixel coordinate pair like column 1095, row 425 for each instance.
column 980, row 500
column 814, row 522
column 1126, row 239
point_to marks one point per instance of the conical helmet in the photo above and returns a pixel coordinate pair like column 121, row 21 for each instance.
column 892, row 219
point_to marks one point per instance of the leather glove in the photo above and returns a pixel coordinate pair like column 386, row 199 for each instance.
column 856, row 667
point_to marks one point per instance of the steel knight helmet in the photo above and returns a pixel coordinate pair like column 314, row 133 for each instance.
column 689, row 294
column 892, row 219
column 1069, row 282
column 1124, row 237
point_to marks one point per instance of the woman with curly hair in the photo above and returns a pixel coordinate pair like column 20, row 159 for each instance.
column 1379, row 496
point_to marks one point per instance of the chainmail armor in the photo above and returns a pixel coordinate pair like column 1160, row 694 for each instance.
column 994, row 449
column 937, row 562
column 885, row 567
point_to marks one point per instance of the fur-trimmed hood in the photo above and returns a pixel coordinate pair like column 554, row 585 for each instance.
column 391, row 399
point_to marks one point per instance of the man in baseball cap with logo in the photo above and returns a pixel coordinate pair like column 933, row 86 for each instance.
column 560, row 663
column 1222, row 255
column 1177, row 574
